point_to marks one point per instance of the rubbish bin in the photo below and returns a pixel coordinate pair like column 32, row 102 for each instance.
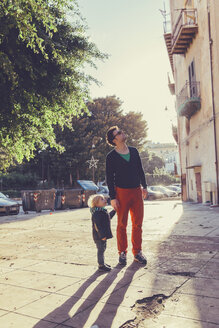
column 89, row 188
column 71, row 198
column 38, row 200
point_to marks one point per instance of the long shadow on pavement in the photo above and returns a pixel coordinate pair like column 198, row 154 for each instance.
column 108, row 313
column 61, row 314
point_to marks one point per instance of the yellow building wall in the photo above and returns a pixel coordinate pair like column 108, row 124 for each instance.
column 197, row 134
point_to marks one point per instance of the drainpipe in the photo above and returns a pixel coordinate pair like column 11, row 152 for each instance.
column 212, row 92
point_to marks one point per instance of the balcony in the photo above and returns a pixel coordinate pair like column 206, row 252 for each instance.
column 189, row 100
column 184, row 31
column 168, row 40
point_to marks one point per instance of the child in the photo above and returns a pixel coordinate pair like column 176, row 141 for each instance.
column 101, row 227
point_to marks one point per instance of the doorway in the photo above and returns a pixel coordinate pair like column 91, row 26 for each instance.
column 198, row 187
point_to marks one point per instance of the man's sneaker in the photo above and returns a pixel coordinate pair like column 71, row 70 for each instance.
column 104, row 268
column 107, row 265
column 140, row 258
column 122, row 258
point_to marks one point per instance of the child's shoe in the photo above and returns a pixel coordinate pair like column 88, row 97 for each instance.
column 104, row 268
column 122, row 258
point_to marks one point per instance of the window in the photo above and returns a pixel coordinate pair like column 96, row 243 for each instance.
column 192, row 80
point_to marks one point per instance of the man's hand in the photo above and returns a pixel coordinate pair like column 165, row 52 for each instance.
column 145, row 193
column 115, row 204
column 103, row 239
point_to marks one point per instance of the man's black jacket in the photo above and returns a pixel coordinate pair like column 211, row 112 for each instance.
column 123, row 174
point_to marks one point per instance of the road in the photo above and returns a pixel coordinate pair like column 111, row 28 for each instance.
column 48, row 274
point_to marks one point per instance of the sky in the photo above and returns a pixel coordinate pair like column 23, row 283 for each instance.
column 131, row 32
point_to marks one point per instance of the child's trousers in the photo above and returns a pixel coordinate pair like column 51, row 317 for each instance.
column 130, row 200
column 101, row 247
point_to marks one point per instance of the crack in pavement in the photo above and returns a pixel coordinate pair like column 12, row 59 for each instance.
column 150, row 307
column 185, row 274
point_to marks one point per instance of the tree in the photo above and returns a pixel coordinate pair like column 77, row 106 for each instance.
column 150, row 161
column 160, row 176
column 107, row 112
column 153, row 166
column 42, row 83
column 86, row 138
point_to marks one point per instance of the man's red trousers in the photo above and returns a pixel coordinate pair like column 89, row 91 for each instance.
column 130, row 200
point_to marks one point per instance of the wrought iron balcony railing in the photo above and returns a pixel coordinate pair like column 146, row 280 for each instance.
column 189, row 99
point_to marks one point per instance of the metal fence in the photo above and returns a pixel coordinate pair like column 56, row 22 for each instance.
column 190, row 90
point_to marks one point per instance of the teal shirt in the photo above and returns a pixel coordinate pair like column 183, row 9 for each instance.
column 125, row 156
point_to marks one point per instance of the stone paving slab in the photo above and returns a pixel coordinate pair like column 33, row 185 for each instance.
column 170, row 321
column 37, row 281
column 2, row 312
column 214, row 233
column 185, row 265
column 18, row 263
column 15, row 297
column 64, row 269
column 201, row 286
column 4, row 270
column 194, row 307
column 161, row 282
column 15, row 320
column 53, row 307
column 211, row 270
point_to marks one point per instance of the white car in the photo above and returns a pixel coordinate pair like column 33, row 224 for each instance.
column 166, row 192
column 176, row 189
column 177, row 185
column 103, row 190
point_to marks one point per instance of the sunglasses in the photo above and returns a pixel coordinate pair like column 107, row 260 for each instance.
column 117, row 134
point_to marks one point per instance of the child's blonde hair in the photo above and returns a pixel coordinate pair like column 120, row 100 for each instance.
column 93, row 200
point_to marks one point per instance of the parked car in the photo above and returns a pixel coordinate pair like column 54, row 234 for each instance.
column 176, row 189
column 103, row 190
column 177, row 185
column 8, row 206
column 166, row 192
column 152, row 194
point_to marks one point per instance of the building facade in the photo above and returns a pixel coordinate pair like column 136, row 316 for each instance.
column 193, row 47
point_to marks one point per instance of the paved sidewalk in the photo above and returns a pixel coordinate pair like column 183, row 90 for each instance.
column 49, row 277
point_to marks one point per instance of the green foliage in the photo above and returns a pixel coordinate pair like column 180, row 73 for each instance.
column 154, row 169
column 87, row 139
column 17, row 180
column 150, row 161
column 13, row 193
column 160, row 177
column 42, row 83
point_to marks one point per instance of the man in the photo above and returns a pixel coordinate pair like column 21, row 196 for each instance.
column 125, row 176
